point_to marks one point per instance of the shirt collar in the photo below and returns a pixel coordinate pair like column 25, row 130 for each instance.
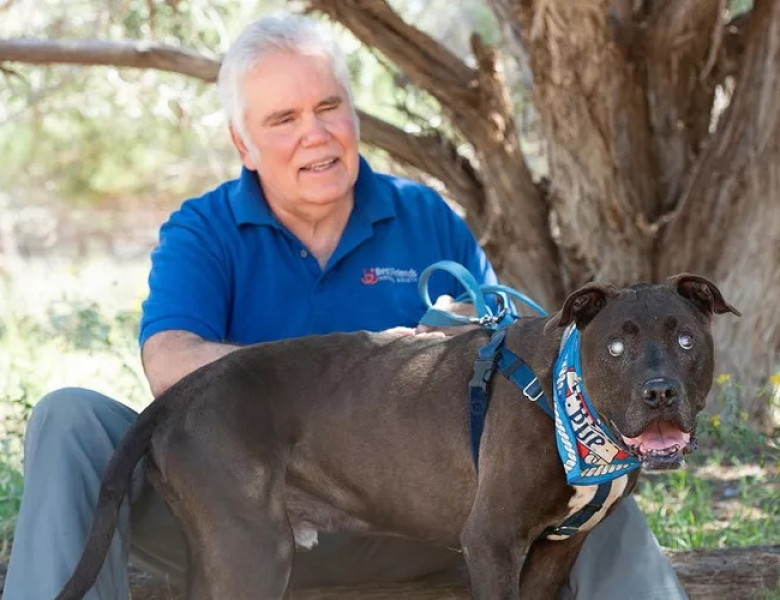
column 250, row 207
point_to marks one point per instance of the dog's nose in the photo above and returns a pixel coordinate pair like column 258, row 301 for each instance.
column 659, row 392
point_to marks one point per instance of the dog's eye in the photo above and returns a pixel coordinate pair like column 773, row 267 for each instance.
column 616, row 347
column 685, row 341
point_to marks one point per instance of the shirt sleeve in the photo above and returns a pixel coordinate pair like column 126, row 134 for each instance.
column 189, row 280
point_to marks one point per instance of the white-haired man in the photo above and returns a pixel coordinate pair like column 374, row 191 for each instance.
column 307, row 240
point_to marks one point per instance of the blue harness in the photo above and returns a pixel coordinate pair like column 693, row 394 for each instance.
column 599, row 462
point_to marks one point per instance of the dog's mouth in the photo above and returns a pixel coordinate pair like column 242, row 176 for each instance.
column 660, row 446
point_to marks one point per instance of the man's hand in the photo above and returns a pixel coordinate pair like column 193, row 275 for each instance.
column 448, row 304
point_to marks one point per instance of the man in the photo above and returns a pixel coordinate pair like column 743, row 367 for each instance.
column 308, row 240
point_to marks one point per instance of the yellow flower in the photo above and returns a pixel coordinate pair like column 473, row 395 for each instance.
column 723, row 378
column 774, row 379
column 715, row 421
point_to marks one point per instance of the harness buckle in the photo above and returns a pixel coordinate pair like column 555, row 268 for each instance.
column 483, row 371
column 535, row 394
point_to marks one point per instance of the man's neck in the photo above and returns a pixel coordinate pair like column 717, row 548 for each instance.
column 319, row 231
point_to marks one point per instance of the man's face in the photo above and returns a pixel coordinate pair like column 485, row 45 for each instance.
column 301, row 135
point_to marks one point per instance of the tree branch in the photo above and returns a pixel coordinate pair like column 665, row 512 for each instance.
column 428, row 64
column 140, row 55
column 431, row 153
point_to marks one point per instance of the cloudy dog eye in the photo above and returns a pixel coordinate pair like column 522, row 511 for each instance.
column 616, row 347
column 685, row 341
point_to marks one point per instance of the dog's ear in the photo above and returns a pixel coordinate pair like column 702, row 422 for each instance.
column 702, row 293
column 583, row 304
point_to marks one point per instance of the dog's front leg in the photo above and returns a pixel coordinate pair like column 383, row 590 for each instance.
column 494, row 558
column 548, row 566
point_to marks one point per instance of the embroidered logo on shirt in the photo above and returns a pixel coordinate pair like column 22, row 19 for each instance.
column 373, row 275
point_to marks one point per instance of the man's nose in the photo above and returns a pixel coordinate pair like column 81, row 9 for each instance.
column 315, row 131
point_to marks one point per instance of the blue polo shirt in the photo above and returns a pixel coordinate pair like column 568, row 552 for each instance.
column 227, row 270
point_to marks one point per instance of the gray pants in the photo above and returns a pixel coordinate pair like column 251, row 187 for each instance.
column 72, row 434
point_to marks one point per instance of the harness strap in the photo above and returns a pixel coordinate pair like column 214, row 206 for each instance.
column 518, row 372
column 572, row 525
column 484, row 367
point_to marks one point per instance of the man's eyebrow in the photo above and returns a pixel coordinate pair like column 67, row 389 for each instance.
column 330, row 100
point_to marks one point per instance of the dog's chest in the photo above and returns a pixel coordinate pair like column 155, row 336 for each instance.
column 583, row 495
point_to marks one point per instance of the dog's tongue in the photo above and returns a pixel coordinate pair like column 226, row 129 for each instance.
column 659, row 436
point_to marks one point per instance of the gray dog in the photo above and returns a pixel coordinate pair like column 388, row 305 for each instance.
column 370, row 432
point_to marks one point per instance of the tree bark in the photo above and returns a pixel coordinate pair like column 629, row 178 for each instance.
column 617, row 88
column 728, row 223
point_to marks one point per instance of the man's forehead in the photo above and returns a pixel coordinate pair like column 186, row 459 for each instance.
column 278, row 85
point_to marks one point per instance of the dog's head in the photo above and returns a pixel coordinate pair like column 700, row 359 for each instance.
column 647, row 360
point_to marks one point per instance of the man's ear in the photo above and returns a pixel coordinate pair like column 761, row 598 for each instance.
column 702, row 293
column 584, row 304
column 246, row 156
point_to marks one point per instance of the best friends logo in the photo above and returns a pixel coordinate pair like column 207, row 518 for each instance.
column 373, row 275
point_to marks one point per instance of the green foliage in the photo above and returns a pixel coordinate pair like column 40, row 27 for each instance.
column 63, row 341
column 705, row 508
column 108, row 135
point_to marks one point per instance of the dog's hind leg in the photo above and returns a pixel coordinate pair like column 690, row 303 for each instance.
column 239, row 556
column 231, row 507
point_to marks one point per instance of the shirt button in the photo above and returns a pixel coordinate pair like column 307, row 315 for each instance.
column 303, row 253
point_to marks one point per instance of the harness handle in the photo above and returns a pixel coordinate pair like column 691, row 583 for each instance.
column 475, row 294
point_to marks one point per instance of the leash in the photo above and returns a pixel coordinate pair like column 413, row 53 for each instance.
column 475, row 294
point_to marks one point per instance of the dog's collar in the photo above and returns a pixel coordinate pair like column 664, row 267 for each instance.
column 587, row 449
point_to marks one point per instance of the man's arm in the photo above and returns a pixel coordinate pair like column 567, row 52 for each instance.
column 170, row 355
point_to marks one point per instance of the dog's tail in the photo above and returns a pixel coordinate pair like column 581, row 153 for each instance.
column 113, row 488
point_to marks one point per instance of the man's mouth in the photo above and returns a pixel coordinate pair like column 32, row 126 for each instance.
column 660, row 446
column 320, row 166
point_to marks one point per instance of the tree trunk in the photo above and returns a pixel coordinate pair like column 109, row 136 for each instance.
column 728, row 222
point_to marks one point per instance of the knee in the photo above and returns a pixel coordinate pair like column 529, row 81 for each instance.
column 68, row 412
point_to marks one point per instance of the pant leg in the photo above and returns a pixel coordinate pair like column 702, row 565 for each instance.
column 70, row 437
column 621, row 560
